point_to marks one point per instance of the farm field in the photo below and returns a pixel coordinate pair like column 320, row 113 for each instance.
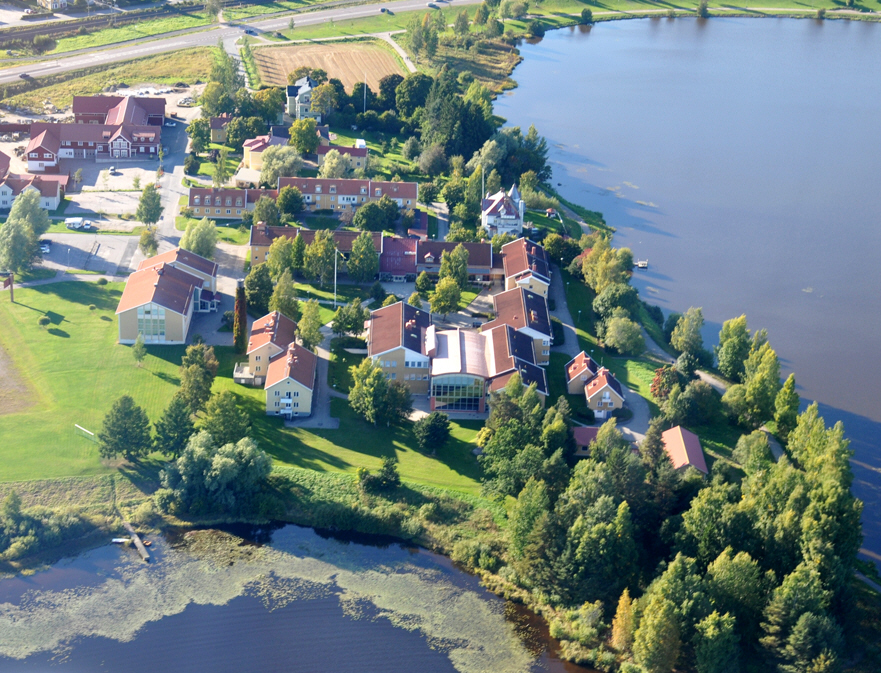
column 347, row 61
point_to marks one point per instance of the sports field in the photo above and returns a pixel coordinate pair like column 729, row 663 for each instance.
column 350, row 62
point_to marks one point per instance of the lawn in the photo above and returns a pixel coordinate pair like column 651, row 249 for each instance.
column 550, row 225
column 227, row 232
column 345, row 293
column 187, row 65
column 245, row 11
column 132, row 31
column 339, row 375
column 432, row 226
column 76, row 370
column 206, row 166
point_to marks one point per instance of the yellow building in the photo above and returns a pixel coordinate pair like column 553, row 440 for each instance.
column 527, row 266
column 270, row 335
column 399, row 339
column 580, row 370
column 290, row 382
column 604, row 394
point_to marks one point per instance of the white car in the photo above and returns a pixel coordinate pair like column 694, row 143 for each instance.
column 169, row 123
column 45, row 249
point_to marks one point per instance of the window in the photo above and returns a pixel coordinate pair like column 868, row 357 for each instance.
column 151, row 322
column 278, row 393
column 318, row 189
column 196, row 200
column 332, row 190
column 228, row 211
column 276, row 404
column 34, row 155
column 257, row 358
column 377, row 192
column 296, row 405
column 228, row 200
column 257, row 368
column 91, row 144
column 545, row 352
column 217, row 211
column 457, row 392
column 238, row 200
column 545, row 342
column 296, row 392
column 217, row 201
column 393, row 376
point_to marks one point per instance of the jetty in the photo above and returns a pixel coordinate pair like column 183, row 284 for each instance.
column 142, row 550
column 642, row 264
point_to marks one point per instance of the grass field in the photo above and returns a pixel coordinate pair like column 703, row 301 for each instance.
column 227, row 233
column 338, row 374
column 246, row 11
column 76, row 370
column 132, row 31
column 187, row 65
column 348, row 61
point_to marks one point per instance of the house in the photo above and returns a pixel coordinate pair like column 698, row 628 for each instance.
column 102, row 142
column 262, row 237
column 290, row 382
column 299, row 95
column 343, row 193
column 218, row 126
column 270, row 335
column 357, row 155
column 483, row 265
column 225, row 203
column 400, row 338
column 193, row 264
column 502, row 213
column 584, row 437
column 580, row 370
column 50, row 188
column 467, row 366
column 526, row 312
column 118, row 110
column 684, row 449
column 397, row 263
column 323, row 134
column 253, row 148
column 158, row 302
column 52, row 4
column 604, row 394
column 526, row 265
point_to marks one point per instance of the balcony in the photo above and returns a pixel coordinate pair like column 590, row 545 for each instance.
column 243, row 375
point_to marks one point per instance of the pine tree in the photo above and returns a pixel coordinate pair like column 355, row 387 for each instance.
column 716, row 649
column 531, row 503
column 126, row 431
column 801, row 591
column 174, row 429
column 786, row 408
column 623, row 625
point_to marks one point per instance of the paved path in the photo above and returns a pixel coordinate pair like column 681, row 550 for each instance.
column 321, row 417
column 387, row 37
column 570, row 343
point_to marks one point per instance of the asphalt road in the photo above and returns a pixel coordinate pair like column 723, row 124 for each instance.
column 209, row 37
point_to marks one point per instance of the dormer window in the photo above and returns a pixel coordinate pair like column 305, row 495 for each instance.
column 364, row 190
column 217, row 201
column 238, row 200
column 196, row 200
column 228, row 201
column 377, row 192
column 333, row 189
column 318, row 189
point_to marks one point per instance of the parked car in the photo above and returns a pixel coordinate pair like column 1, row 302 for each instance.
column 170, row 123
column 45, row 249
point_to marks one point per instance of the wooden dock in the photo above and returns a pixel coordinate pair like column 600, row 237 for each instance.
column 142, row 550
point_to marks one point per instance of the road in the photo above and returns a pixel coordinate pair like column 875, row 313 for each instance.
column 203, row 37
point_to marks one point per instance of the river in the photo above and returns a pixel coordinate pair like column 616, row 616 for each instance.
column 276, row 598
column 741, row 157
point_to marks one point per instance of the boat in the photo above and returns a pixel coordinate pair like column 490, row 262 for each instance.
column 121, row 540
column 642, row 264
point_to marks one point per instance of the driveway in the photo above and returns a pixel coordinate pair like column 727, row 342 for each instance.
column 320, row 417
column 570, row 345
column 635, row 428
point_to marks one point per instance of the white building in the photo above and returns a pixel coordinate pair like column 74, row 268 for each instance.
column 502, row 213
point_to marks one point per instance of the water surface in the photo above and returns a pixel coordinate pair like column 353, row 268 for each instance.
column 742, row 158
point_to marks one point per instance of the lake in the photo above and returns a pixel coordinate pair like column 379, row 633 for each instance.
column 741, row 157
column 276, row 598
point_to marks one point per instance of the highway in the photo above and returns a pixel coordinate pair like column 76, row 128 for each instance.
column 208, row 37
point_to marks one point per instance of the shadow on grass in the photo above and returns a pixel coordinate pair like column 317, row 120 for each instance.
column 80, row 292
column 143, row 475
column 59, row 333
column 106, row 318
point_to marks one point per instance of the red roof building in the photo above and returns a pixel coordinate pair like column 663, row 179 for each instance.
column 684, row 449
column 397, row 263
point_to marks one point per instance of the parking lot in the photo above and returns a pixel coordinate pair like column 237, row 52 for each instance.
column 90, row 252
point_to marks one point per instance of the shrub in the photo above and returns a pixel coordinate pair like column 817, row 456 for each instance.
column 92, row 307
column 191, row 165
column 44, row 320
column 536, row 28
column 586, row 16
column 102, row 281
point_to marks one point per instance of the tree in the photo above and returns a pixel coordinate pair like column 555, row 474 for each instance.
column 213, row 8
column 702, row 10
column 350, row 318
column 363, row 263
column 17, row 244
column 625, row 336
column 481, row 15
column 290, row 200
column 241, row 129
column 737, row 585
column 716, row 649
column 224, row 420
column 445, row 299
column 388, row 87
column 240, row 320
column 266, row 211
column 139, row 351
column 762, row 384
column 786, row 408
column 126, row 431
column 412, row 93
column 200, row 237
column 455, row 265
column 686, row 336
column 298, row 254
column 335, row 165
column 532, row 502
column 370, row 217
column 319, row 256
column 258, row 289
column 461, row 25
column 493, row 28
column 149, row 206
column 174, row 429
column 801, row 591
column 423, row 283
column 304, row 135
column 617, row 295
column 284, row 297
column 733, row 348
column 199, row 131
column 623, row 625
column 280, row 161
column 433, row 160
column 432, row 431
column 270, row 103
column 586, row 16
column 604, row 266
column 398, row 403
column 148, row 243
column 369, row 390
column 815, row 645
column 280, row 257
column 415, row 300
column 665, row 378
column 657, row 642
column 391, row 299
column 221, row 171
column 309, row 327
column 215, row 100
column 324, row 100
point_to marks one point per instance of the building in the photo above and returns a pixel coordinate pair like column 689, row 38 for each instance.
column 483, row 265
column 510, row 352
column 604, row 394
column 299, row 96
column 526, row 312
column 503, row 213
column 225, row 203
column 343, row 193
column 357, row 155
column 52, row 4
column 397, row 263
column 584, row 436
column 400, row 338
column 218, row 126
column 290, row 382
column 253, row 148
column 118, row 110
column 684, row 449
column 580, row 370
column 193, row 264
column 262, row 237
column 49, row 187
column 270, row 335
column 526, row 265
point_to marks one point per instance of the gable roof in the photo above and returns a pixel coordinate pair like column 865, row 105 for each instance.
column 163, row 285
column 599, row 382
column 501, row 205
column 509, row 352
column 524, row 257
column 479, row 254
column 351, row 151
column 521, row 308
column 104, row 104
column 220, row 122
column 581, row 364
column 296, row 363
column 181, row 256
column 264, row 142
column 302, row 85
column 264, row 235
column 48, row 185
column 275, row 328
column 684, row 448
column 396, row 326
column 398, row 256
column 584, row 435
column 5, row 160
column 353, row 187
